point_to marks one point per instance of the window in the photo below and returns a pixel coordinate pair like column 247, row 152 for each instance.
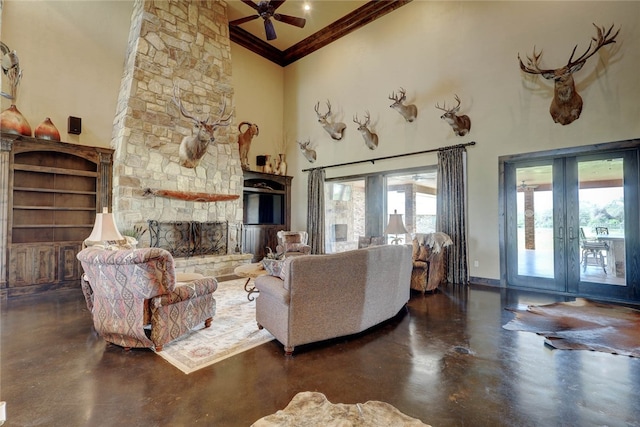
column 359, row 206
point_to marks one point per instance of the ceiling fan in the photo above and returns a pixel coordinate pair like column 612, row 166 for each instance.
column 266, row 10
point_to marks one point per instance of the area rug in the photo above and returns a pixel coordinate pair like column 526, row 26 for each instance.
column 314, row 409
column 232, row 331
column 583, row 325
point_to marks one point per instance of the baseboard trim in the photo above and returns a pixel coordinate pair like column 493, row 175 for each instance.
column 485, row 282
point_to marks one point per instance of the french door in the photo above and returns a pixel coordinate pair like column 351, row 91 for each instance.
column 571, row 224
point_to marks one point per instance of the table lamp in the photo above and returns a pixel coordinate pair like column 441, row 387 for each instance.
column 105, row 232
column 395, row 226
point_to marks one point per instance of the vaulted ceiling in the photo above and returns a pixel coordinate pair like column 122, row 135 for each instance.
column 326, row 21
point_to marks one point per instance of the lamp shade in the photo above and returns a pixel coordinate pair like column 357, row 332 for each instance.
column 395, row 226
column 104, row 229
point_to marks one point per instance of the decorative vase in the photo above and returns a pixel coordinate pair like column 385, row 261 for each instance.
column 268, row 168
column 12, row 121
column 282, row 165
column 47, row 130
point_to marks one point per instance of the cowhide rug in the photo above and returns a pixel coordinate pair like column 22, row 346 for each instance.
column 313, row 409
column 583, row 325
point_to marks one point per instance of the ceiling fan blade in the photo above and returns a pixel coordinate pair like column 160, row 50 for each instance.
column 276, row 3
column 243, row 20
column 291, row 20
column 250, row 3
column 269, row 30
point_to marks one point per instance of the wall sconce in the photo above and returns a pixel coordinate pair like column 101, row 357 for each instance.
column 395, row 226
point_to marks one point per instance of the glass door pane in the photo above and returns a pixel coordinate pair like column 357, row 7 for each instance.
column 534, row 232
column 344, row 214
column 535, row 221
column 601, row 215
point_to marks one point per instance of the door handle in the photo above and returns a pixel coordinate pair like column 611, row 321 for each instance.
column 560, row 233
column 571, row 236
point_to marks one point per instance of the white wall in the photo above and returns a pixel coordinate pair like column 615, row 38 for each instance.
column 437, row 49
column 72, row 55
column 258, row 86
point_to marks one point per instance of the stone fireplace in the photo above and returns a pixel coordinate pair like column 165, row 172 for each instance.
column 184, row 44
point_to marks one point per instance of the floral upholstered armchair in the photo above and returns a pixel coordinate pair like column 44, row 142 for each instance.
column 291, row 243
column 129, row 290
column 429, row 267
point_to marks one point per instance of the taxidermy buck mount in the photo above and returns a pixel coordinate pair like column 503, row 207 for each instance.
column 566, row 105
column 334, row 129
column 194, row 147
column 267, row 10
column 461, row 124
column 370, row 138
column 307, row 150
column 409, row 112
column 244, row 142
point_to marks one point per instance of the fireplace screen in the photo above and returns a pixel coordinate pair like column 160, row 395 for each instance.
column 188, row 238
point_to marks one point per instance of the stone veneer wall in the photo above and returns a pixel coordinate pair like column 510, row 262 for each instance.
column 183, row 43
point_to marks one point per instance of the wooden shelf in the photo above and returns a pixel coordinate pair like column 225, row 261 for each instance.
column 55, row 190
column 57, row 171
column 263, row 190
column 54, row 226
column 53, row 208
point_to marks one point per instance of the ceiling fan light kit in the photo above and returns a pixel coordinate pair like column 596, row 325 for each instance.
column 266, row 10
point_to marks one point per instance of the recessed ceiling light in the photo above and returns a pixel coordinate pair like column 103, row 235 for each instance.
column 307, row 7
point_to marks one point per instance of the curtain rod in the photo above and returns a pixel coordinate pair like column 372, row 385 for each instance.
column 391, row 157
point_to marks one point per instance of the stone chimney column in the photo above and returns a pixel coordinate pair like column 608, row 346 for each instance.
column 184, row 44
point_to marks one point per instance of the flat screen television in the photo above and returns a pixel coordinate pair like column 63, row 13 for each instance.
column 263, row 208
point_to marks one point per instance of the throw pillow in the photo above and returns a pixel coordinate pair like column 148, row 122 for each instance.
column 272, row 266
column 276, row 267
column 292, row 238
column 294, row 247
column 378, row 241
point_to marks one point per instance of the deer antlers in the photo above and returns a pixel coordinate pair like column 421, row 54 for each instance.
column 399, row 99
column 210, row 127
column 409, row 112
column 367, row 120
column 603, row 38
column 452, row 110
column 566, row 105
column 194, row 147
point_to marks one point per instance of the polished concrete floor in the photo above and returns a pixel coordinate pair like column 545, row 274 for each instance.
column 446, row 360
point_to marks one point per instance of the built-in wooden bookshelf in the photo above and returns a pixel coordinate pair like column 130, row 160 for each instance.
column 54, row 191
column 267, row 210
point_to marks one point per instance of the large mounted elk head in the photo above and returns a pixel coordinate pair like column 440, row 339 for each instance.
column 409, row 112
column 370, row 138
column 307, row 150
column 194, row 147
column 461, row 124
column 334, row 129
column 567, row 103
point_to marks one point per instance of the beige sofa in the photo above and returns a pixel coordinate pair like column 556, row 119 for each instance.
column 328, row 296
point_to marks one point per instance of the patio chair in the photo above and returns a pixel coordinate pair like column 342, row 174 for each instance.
column 596, row 249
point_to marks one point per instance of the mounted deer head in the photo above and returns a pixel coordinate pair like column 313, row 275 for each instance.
column 409, row 112
column 461, row 124
column 244, row 142
column 567, row 103
column 334, row 129
column 370, row 138
column 194, row 147
column 307, row 150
